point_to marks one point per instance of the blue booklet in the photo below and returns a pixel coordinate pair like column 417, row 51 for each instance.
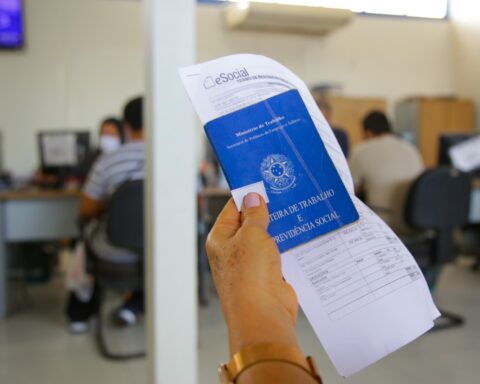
column 276, row 142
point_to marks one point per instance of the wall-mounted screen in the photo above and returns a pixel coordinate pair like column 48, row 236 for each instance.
column 11, row 24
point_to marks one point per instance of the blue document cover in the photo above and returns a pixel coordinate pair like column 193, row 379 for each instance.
column 277, row 143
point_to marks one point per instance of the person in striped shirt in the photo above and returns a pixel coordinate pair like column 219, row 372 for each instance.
column 108, row 173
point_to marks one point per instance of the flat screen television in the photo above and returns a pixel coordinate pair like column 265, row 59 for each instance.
column 11, row 24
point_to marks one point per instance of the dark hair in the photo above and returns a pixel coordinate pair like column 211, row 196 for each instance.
column 133, row 113
column 117, row 123
column 377, row 123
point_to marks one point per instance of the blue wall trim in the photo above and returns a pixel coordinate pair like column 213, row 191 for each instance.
column 211, row 1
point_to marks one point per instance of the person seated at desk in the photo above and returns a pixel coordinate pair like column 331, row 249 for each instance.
column 107, row 174
column 340, row 134
column 111, row 136
column 383, row 169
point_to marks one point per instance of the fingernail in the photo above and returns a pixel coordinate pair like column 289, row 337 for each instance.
column 252, row 200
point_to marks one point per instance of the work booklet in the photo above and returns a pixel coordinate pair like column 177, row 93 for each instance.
column 274, row 143
column 360, row 288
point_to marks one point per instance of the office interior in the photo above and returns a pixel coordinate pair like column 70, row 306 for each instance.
column 81, row 61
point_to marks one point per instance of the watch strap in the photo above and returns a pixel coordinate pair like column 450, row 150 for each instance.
column 266, row 352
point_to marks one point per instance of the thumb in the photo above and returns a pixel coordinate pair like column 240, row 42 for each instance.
column 254, row 211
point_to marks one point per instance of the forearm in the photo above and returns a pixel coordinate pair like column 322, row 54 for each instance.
column 260, row 323
column 260, row 307
column 257, row 322
column 90, row 208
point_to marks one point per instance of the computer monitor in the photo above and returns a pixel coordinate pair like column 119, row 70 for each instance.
column 62, row 153
column 447, row 141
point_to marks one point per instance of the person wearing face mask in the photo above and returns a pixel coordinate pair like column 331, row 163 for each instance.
column 109, row 171
column 111, row 137
column 116, row 162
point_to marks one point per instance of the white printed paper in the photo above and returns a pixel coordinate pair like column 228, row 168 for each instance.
column 360, row 288
column 466, row 155
column 239, row 194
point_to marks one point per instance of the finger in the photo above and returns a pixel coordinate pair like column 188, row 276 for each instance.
column 228, row 221
column 254, row 211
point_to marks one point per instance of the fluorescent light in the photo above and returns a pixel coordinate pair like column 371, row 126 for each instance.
column 243, row 4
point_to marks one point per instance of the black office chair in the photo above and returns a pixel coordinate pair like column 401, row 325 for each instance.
column 437, row 204
column 125, row 229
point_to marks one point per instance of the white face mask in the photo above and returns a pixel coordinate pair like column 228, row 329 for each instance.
column 109, row 143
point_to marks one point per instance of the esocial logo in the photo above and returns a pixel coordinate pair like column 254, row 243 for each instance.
column 225, row 77
column 208, row 82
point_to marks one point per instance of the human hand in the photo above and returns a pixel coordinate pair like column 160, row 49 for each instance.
column 258, row 304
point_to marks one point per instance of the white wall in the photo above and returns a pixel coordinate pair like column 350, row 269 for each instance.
column 466, row 36
column 82, row 61
column 84, row 58
column 373, row 56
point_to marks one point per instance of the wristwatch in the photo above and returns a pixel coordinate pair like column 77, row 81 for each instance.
column 265, row 352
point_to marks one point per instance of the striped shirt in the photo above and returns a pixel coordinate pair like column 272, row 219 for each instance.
column 113, row 169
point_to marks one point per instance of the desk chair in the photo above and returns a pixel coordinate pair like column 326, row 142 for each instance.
column 125, row 229
column 437, row 204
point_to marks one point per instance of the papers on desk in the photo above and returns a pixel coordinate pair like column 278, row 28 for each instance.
column 466, row 155
column 359, row 287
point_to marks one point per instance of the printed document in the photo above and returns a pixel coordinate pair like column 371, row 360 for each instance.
column 360, row 288
column 275, row 143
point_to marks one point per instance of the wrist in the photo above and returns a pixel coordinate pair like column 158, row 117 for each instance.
column 269, row 362
column 253, row 320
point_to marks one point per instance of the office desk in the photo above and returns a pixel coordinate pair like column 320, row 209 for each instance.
column 221, row 195
column 213, row 199
column 33, row 215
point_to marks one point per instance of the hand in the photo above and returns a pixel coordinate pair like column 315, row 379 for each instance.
column 258, row 304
